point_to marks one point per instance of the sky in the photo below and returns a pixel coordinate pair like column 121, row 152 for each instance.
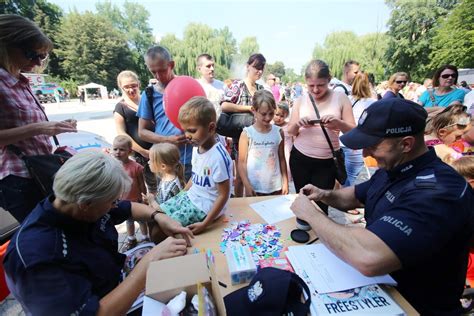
column 286, row 30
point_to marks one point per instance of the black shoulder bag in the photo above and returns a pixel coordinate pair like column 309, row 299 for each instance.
column 231, row 124
column 42, row 168
column 337, row 155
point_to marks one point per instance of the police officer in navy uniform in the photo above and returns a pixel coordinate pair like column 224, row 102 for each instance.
column 419, row 211
column 64, row 259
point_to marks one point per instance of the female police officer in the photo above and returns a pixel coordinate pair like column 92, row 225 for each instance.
column 64, row 258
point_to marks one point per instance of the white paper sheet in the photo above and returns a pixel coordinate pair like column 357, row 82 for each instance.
column 328, row 273
column 275, row 210
column 152, row 307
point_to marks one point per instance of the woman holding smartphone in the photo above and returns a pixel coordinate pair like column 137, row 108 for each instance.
column 311, row 159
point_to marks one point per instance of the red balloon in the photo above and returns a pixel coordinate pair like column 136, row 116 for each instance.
column 177, row 93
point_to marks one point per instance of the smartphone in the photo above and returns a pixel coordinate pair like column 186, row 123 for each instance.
column 314, row 122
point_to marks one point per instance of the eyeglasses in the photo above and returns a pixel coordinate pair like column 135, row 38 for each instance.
column 401, row 81
column 132, row 86
column 32, row 55
column 446, row 76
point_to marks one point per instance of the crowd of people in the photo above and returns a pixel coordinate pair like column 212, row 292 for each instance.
column 176, row 182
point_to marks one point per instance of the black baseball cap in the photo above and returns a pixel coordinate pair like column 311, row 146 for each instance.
column 387, row 118
column 272, row 292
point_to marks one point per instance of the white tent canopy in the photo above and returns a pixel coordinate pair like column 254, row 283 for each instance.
column 95, row 86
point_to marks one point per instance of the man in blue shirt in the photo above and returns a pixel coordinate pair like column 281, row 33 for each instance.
column 153, row 124
column 419, row 211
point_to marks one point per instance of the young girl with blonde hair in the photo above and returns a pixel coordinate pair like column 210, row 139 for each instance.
column 164, row 162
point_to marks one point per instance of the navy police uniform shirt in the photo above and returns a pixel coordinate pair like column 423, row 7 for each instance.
column 56, row 265
column 423, row 210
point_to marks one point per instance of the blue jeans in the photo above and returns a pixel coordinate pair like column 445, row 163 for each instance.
column 354, row 163
column 19, row 196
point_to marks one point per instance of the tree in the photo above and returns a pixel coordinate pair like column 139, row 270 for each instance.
column 291, row 76
column 92, row 49
column 371, row 54
column 199, row 39
column 410, row 34
column 368, row 50
column 247, row 47
column 277, row 68
column 453, row 42
column 338, row 48
column 132, row 21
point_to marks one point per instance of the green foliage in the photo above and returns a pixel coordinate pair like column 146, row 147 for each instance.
column 92, row 49
column 453, row 42
column 337, row 49
column 371, row 54
column 410, row 34
column 198, row 39
column 291, row 76
column 247, row 47
column 132, row 22
column 277, row 68
column 340, row 47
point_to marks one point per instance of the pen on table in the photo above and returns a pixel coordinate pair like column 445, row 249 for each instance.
column 313, row 241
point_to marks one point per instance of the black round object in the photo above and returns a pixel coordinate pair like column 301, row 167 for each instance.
column 299, row 235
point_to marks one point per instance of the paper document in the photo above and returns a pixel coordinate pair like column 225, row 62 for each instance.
column 275, row 210
column 328, row 273
column 152, row 307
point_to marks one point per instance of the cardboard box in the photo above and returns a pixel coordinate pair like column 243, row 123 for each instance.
column 167, row 278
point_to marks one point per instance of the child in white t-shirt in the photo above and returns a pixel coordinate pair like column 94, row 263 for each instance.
column 262, row 164
column 206, row 194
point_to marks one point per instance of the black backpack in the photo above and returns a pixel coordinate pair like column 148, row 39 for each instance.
column 149, row 95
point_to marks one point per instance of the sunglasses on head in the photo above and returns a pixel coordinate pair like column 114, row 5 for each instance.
column 401, row 81
column 461, row 123
column 446, row 76
column 32, row 55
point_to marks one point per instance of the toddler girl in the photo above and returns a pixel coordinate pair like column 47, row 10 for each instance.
column 262, row 164
column 164, row 162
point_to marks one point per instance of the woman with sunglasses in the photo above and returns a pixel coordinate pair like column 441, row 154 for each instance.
column 446, row 128
column 444, row 90
column 396, row 83
column 23, row 123
column 238, row 99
